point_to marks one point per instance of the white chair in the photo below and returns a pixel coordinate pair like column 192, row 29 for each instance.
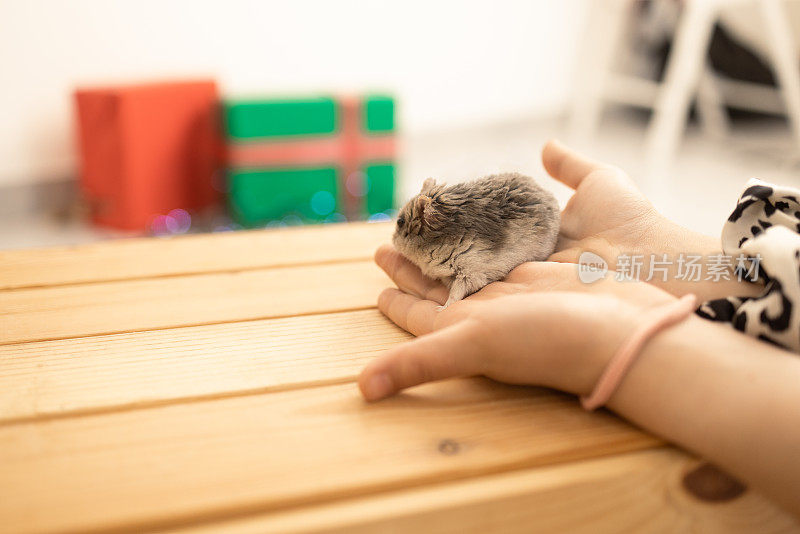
column 687, row 74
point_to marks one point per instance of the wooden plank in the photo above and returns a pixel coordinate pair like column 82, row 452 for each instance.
column 632, row 492
column 126, row 306
column 211, row 460
column 110, row 372
column 230, row 251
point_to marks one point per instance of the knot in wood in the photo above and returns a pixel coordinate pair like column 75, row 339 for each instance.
column 709, row 484
column 449, row 447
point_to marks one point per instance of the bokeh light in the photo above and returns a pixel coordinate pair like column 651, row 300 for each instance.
column 292, row 220
column 335, row 218
column 378, row 217
column 323, row 203
column 177, row 221
column 356, row 184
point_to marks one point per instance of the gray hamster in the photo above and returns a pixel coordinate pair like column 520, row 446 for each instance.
column 471, row 234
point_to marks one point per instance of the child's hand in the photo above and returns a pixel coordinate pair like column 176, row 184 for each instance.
column 608, row 215
column 701, row 385
column 531, row 328
column 541, row 308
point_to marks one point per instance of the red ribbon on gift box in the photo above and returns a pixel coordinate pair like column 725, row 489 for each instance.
column 348, row 150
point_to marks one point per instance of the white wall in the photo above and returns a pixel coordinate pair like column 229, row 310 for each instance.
column 450, row 63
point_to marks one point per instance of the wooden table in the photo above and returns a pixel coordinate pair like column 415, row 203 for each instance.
column 206, row 383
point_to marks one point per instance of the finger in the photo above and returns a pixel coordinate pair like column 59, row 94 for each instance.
column 567, row 250
column 567, row 166
column 450, row 352
column 408, row 277
column 565, row 243
column 409, row 312
column 568, row 255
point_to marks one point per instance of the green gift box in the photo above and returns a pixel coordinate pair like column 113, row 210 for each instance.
column 316, row 159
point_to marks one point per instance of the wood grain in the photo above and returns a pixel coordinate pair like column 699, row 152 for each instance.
column 106, row 372
column 126, row 306
column 631, row 492
column 151, row 257
column 202, row 384
column 210, row 460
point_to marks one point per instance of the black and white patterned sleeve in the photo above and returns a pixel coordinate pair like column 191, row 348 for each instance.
column 764, row 230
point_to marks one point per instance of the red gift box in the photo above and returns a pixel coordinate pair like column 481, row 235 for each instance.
column 148, row 149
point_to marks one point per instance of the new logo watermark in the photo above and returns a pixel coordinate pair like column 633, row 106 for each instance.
column 685, row 267
column 591, row 267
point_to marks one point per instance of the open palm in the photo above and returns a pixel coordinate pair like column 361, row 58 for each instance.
column 609, row 216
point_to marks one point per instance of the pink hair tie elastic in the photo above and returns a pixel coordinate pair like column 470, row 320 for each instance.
column 618, row 367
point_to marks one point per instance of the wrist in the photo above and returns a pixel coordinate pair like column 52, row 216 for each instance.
column 676, row 241
column 672, row 358
column 708, row 247
column 609, row 329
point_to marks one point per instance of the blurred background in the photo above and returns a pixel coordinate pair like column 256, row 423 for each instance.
column 690, row 97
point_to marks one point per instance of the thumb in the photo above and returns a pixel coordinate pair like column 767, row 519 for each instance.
column 570, row 167
column 450, row 352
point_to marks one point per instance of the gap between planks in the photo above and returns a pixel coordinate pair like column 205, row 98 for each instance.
column 127, row 259
column 201, row 299
column 364, row 257
column 224, row 458
column 84, row 376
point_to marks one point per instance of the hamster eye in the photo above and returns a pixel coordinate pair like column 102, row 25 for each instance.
column 401, row 221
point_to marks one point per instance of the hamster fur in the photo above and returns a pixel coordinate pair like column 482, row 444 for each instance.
column 471, row 234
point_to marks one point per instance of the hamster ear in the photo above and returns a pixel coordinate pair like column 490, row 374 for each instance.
column 427, row 185
column 426, row 210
